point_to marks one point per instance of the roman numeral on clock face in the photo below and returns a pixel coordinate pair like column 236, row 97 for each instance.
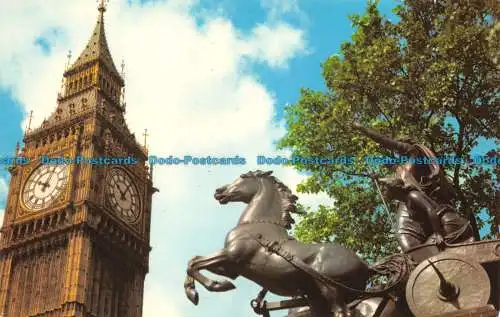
column 122, row 195
column 44, row 186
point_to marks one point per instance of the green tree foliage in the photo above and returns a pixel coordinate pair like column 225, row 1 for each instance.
column 433, row 76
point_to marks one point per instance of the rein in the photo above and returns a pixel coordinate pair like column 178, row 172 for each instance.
column 277, row 248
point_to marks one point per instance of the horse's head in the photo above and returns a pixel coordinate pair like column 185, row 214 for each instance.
column 243, row 189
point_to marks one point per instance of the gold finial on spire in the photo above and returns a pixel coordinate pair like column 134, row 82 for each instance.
column 28, row 129
column 96, row 49
column 69, row 59
column 63, row 80
column 16, row 158
column 145, row 134
column 102, row 5
column 123, row 67
column 123, row 105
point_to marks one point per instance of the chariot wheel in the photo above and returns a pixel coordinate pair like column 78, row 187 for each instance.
column 445, row 283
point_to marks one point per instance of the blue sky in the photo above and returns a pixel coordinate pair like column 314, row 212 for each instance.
column 205, row 78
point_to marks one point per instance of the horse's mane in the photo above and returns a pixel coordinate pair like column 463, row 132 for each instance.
column 288, row 199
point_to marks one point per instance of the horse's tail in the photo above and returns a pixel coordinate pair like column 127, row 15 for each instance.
column 395, row 268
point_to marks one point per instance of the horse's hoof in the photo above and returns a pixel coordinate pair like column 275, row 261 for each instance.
column 222, row 286
column 192, row 295
column 227, row 286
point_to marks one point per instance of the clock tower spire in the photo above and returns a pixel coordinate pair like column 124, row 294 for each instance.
column 95, row 66
column 75, row 239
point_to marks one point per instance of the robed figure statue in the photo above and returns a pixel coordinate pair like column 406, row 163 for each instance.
column 425, row 196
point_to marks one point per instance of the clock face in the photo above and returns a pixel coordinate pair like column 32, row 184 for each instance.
column 44, row 186
column 123, row 195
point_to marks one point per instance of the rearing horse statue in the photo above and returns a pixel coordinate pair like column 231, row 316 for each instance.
column 260, row 249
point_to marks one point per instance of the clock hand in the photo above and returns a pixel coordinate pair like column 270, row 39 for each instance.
column 117, row 186
column 124, row 194
column 44, row 185
column 47, row 183
column 128, row 190
column 128, row 187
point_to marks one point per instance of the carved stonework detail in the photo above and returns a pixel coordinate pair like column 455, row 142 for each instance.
column 36, row 285
column 76, row 254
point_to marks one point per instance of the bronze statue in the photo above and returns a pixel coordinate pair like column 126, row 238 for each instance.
column 323, row 276
column 425, row 196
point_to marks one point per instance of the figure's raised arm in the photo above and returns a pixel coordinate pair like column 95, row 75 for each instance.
column 398, row 146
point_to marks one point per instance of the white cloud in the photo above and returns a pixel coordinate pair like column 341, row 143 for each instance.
column 276, row 45
column 277, row 8
column 3, row 187
column 157, row 304
column 193, row 89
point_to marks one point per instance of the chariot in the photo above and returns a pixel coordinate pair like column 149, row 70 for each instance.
column 460, row 280
column 456, row 280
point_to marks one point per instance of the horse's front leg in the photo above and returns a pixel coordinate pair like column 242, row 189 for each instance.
column 214, row 263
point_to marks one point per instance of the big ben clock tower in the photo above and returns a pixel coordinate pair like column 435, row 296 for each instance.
column 75, row 236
